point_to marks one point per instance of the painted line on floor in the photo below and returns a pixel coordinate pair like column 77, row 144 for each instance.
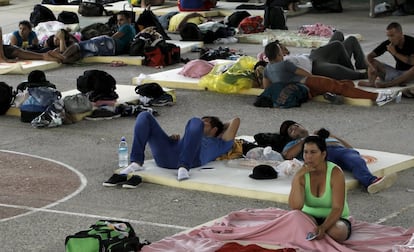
column 394, row 214
column 82, row 179
column 45, row 210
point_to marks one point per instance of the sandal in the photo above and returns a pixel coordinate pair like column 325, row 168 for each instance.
column 117, row 63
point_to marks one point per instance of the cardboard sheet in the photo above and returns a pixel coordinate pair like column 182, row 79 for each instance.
column 232, row 177
column 26, row 66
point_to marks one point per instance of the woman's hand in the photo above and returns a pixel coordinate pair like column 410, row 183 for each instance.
column 320, row 231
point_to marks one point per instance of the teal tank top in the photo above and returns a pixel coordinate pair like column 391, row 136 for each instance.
column 320, row 207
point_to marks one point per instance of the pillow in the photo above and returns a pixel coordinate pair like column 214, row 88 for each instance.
column 196, row 68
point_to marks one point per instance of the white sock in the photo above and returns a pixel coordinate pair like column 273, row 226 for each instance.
column 183, row 174
column 132, row 167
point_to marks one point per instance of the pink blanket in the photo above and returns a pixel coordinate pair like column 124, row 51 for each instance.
column 284, row 228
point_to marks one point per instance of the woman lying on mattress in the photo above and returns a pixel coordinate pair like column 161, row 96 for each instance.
column 318, row 189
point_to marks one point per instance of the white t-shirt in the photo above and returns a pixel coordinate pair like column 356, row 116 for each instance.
column 300, row 60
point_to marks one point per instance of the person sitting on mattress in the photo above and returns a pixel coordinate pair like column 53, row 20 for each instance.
column 332, row 60
column 104, row 45
column 282, row 72
column 339, row 152
column 9, row 53
column 318, row 190
column 203, row 141
column 400, row 47
column 25, row 37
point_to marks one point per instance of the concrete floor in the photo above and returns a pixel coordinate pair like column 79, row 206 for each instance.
column 157, row 211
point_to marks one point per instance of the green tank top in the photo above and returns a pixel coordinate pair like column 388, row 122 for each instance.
column 321, row 206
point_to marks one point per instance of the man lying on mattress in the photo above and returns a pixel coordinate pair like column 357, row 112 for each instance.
column 204, row 140
column 103, row 45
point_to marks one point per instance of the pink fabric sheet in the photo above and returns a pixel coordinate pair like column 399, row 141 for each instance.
column 280, row 227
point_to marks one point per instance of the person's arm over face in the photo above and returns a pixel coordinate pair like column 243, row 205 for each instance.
column 338, row 201
column 231, row 129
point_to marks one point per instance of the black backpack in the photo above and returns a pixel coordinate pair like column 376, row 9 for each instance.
column 327, row 5
column 274, row 17
column 151, row 90
column 55, row 2
column 236, row 17
column 6, row 97
column 68, row 17
column 146, row 19
column 275, row 140
column 94, row 30
column 92, row 10
column 100, row 82
column 40, row 14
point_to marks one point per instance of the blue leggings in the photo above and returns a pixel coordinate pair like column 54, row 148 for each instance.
column 167, row 153
column 350, row 160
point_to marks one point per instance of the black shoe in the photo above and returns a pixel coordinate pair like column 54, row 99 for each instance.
column 133, row 182
column 102, row 114
column 115, row 179
column 163, row 100
column 334, row 98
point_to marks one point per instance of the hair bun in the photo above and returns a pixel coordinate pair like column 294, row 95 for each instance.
column 323, row 133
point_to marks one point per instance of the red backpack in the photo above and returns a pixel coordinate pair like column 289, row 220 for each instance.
column 252, row 24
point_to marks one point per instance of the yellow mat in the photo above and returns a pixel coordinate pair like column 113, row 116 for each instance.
column 232, row 177
column 26, row 66
column 172, row 79
column 126, row 59
column 185, row 46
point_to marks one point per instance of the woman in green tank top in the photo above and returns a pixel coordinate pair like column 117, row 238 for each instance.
column 318, row 189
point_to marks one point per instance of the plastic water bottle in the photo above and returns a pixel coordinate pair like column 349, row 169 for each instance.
column 123, row 153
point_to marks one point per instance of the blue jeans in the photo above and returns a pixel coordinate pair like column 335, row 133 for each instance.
column 97, row 46
column 167, row 153
column 350, row 160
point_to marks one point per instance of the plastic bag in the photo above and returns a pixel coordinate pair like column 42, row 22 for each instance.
column 260, row 153
column 288, row 167
column 230, row 77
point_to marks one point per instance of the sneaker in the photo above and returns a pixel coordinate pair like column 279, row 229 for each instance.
column 102, row 114
column 163, row 100
column 386, row 96
column 182, row 174
column 334, row 98
column 133, row 182
column 115, row 180
column 382, row 183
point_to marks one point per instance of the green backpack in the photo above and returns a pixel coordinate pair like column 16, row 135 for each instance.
column 104, row 236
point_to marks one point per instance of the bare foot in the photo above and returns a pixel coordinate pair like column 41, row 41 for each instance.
column 366, row 84
column 5, row 60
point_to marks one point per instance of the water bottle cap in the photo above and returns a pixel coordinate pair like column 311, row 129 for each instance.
column 123, row 138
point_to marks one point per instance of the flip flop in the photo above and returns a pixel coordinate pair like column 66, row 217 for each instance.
column 117, row 63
